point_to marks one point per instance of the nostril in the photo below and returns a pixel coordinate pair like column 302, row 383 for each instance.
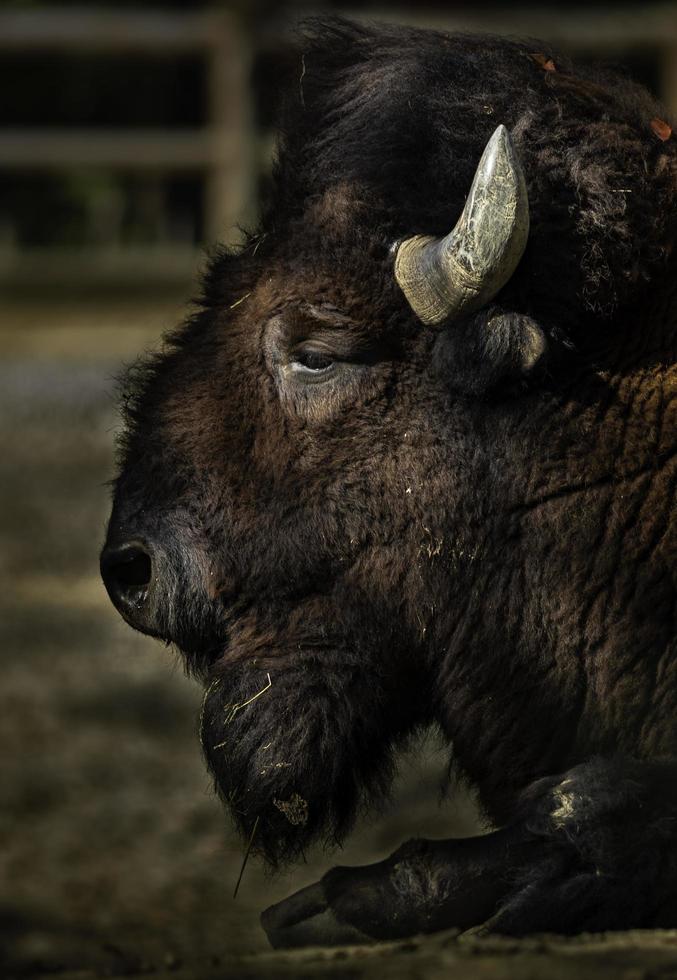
column 127, row 571
column 133, row 571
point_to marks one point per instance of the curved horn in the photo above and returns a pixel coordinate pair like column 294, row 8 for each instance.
column 445, row 277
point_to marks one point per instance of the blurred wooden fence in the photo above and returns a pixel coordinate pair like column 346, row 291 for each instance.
column 225, row 154
column 220, row 153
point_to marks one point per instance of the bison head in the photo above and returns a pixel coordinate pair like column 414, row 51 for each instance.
column 321, row 474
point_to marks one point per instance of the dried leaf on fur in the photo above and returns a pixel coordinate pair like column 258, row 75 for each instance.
column 542, row 60
column 295, row 809
column 662, row 129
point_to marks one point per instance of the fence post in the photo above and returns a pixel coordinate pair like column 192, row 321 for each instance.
column 230, row 179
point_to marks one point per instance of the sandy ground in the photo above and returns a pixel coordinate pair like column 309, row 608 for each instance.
column 115, row 854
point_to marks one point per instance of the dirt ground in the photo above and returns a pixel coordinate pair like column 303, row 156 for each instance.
column 115, row 853
column 116, row 859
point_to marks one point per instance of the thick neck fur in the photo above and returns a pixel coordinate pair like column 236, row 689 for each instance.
column 571, row 576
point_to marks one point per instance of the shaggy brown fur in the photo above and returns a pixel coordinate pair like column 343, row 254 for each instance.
column 359, row 526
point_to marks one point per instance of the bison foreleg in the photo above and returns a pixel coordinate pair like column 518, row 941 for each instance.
column 594, row 849
column 423, row 887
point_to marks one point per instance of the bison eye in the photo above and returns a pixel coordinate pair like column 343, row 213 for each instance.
column 310, row 362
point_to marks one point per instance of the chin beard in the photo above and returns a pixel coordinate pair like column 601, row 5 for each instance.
column 297, row 751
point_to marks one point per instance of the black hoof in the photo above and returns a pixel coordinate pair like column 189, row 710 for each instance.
column 305, row 919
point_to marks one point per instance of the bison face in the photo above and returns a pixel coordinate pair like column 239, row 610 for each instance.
column 297, row 496
column 275, row 518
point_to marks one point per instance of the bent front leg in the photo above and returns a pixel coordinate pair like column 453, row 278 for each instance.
column 594, row 849
column 423, row 887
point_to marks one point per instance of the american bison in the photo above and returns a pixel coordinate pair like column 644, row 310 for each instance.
column 412, row 462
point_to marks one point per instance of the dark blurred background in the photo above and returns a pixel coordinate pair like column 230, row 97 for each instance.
column 131, row 138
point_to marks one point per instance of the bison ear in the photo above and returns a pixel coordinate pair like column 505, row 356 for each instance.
column 446, row 278
column 490, row 351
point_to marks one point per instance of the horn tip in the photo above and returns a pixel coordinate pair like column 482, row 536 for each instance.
column 501, row 137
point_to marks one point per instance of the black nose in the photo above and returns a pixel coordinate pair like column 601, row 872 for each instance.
column 127, row 573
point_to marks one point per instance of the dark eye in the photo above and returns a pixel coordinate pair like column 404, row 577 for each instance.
column 312, row 362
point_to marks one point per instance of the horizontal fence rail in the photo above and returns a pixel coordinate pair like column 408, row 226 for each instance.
column 229, row 152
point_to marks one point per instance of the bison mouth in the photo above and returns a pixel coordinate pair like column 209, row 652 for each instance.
column 296, row 751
